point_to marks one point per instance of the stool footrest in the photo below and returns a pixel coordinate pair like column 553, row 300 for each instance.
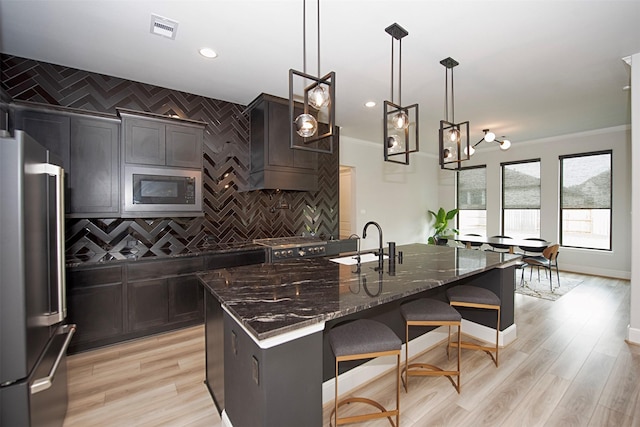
column 364, row 417
column 474, row 346
column 426, row 370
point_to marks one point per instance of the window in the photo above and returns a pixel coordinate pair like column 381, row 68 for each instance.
column 521, row 199
column 585, row 200
column 472, row 199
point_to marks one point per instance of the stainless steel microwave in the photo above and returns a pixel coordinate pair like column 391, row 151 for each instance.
column 156, row 191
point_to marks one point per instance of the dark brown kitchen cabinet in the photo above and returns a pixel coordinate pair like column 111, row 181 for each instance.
column 94, row 304
column 50, row 129
column 164, row 293
column 185, row 299
column 274, row 164
column 148, row 304
column 151, row 139
column 94, row 167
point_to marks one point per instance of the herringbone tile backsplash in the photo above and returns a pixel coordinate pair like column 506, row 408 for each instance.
column 231, row 216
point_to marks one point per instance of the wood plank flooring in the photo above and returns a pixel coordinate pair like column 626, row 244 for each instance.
column 570, row 366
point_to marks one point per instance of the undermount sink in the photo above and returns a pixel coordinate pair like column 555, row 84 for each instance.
column 351, row 259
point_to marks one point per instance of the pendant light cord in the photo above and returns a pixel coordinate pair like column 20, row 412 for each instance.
column 318, row 38
column 392, row 100
column 304, row 36
column 399, row 71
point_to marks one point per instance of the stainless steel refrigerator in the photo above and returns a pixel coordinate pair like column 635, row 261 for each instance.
column 33, row 333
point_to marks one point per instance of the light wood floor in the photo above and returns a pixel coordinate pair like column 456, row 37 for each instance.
column 570, row 366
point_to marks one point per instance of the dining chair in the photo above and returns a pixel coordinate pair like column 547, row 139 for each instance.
column 496, row 247
column 529, row 250
column 548, row 260
column 472, row 245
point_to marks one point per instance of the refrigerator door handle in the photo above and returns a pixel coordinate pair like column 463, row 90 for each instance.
column 42, row 384
column 59, row 315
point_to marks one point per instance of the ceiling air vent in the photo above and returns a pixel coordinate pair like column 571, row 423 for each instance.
column 163, row 26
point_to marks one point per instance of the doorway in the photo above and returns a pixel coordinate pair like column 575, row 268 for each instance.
column 347, row 204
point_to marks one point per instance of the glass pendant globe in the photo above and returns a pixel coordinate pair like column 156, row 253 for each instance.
column 319, row 97
column 470, row 152
column 454, row 135
column 400, row 120
column 306, row 125
column 489, row 136
column 504, row 145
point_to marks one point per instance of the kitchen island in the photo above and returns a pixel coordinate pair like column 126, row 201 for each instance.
column 275, row 356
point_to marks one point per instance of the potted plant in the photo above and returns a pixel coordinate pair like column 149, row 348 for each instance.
column 441, row 230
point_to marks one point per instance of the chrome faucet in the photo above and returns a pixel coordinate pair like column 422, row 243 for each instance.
column 380, row 252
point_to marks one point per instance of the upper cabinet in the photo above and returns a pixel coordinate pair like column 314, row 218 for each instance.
column 51, row 129
column 94, row 167
column 151, row 139
column 274, row 164
column 87, row 147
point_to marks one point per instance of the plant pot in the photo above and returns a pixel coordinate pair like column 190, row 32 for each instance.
column 441, row 241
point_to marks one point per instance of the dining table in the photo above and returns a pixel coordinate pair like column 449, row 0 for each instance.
column 510, row 242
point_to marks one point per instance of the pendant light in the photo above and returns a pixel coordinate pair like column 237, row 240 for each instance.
column 312, row 108
column 400, row 123
column 453, row 137
column 490, row 137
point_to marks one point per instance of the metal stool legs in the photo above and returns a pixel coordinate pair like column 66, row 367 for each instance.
column 364, row 339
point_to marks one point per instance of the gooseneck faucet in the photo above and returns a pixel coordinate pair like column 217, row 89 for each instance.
column 380, row 252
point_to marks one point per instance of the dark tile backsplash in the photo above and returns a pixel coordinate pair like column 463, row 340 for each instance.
column 230, row 217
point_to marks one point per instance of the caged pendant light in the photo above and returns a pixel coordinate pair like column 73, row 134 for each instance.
column 453, row 137
column 311, row 113
column 400, row 123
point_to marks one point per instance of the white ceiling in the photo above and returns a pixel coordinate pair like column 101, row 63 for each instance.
column 528, row 69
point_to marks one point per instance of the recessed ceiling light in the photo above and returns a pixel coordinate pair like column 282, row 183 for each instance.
column 207, row 52
column 370, row 104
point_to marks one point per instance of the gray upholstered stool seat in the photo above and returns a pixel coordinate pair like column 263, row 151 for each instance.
column 481, row 298
column 364, row 339
column 430, row 312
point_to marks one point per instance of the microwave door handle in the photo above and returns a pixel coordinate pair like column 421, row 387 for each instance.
column 54, row 317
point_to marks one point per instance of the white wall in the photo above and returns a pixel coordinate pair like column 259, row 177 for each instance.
column 614, row 263
column 395, row 196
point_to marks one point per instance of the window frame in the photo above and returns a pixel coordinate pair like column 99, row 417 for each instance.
column 502, row 197
column 457, row 183
column 560, row 208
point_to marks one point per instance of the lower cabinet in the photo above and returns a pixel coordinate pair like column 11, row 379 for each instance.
column 94, row 303
column 127, row 300
column 148, row 304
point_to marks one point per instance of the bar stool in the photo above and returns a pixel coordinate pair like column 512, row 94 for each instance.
column 365, row 339
column 430, row 312
column 475, row 297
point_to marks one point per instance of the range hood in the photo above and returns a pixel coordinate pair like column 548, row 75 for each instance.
column 274, row 165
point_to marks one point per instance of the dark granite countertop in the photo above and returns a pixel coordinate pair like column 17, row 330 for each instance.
column 274, row 299
column 93, row 259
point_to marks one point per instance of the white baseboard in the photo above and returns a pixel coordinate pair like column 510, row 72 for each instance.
column 366, row 372
column 226, row 422
column 633, row 335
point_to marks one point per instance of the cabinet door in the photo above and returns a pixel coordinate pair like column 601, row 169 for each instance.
column 185, row 299
column 280, row 151
column 97, row 310
column 94, row 167
column 144, row 142
column 148, row 304
column 49, row 129
column 94, row 302
column 184, row 146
